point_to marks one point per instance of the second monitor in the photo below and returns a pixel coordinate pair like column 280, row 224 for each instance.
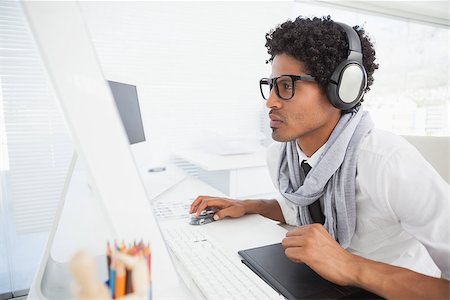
column 127, row 103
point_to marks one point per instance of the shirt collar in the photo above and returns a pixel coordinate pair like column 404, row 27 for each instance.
column 312, row 161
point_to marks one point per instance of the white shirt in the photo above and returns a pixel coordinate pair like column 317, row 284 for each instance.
column 402, row 205
column 313, row 159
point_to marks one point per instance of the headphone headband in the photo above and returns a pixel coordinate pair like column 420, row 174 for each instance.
column 354, row 44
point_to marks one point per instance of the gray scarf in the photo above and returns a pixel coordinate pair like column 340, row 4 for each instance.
column 333, row 178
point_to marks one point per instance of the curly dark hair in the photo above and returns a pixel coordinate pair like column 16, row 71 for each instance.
column 320, row 44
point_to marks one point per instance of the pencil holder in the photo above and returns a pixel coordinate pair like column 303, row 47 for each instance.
column 129, row 270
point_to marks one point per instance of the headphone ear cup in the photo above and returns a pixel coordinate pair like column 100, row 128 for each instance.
column 347, row 85
column 333, row 96
column 351, row 83
column 333, row 87
column 349, row 80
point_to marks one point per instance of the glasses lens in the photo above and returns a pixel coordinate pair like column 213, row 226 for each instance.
column 285, row 86
column 265, row 86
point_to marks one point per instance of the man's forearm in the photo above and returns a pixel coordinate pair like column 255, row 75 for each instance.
column 393, row 282
column 267, row 208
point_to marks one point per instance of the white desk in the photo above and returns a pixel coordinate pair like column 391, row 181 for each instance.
column 236, row 176
column 232, row 234
column 215, row 162
column 161, row 181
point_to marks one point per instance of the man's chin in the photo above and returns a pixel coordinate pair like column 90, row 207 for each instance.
column 278, row 138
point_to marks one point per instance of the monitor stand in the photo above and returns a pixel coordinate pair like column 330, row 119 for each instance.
column 78, row 212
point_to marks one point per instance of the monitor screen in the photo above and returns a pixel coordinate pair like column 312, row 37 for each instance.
column 127, row 102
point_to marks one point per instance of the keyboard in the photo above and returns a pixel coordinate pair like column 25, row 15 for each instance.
column 214, row 273
column 167, row 210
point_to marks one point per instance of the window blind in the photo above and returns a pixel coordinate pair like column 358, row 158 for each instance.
column 38, row 145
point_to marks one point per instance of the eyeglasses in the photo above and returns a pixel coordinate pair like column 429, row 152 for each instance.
column 284, row 85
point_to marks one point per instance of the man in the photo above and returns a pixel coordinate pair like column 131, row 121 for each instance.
column 370, row 211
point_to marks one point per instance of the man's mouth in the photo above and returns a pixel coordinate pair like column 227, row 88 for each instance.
column 275, row 121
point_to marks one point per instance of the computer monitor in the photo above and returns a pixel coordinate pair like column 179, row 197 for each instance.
column 127, row 102
column 118, row 189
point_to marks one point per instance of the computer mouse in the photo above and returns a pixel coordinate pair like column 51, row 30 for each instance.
column 205, row 217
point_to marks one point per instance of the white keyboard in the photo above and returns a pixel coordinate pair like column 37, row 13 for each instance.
column 167, row 210
column 215, row 274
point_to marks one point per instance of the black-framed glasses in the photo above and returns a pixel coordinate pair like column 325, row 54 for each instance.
column 284, row 85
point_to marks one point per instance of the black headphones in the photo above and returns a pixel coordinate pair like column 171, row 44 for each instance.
column 349, row 79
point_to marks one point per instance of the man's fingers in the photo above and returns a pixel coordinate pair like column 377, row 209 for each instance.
column 211, row 202
column 197, row 202
column 296, row 231
column 306, row 229
column 294, row 241
column 294, row 254
column 226, row 212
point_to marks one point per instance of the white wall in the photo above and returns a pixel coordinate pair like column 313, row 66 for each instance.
column 196, row 65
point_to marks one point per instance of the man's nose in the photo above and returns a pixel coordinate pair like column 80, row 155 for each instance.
column 274, row 101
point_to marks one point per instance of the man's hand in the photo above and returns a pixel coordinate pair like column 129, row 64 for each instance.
column 237, row 208
column 226, row 207
column 314, row 246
